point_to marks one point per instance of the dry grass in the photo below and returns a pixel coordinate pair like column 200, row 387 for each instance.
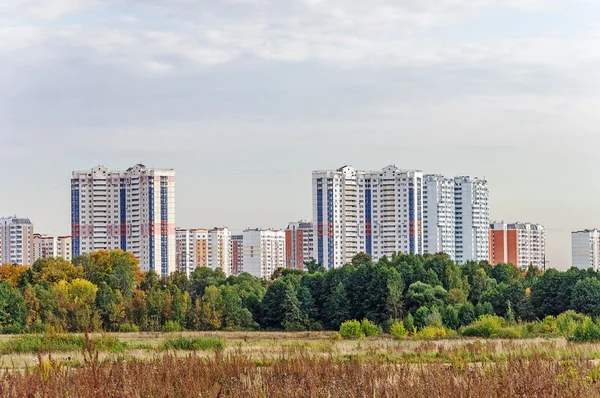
column 301, row 365
column 301, row 375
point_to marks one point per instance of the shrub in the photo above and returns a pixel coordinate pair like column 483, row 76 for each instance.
column 431, row 332
column 129, row 328
column 567, row 322
column 398, row 331
column 351, row 330
column 172, row 326
column 193, row 344
column 486, row 326
column 586, row 331
column 368, row 328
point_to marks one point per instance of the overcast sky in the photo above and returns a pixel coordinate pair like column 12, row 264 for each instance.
column 244, row 98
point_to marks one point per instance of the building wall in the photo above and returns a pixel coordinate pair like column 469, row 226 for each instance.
column 439, row 216
column 16, row 241
column 375, row 212
column 51, row 246
column 237, row 254
column 585, row 249
column 299, row 238
column 521, row 244
column 472, row 219
column 132, row 210
column 264, row 252
column 219, row 242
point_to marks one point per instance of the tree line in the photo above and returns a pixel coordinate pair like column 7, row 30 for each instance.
column 107, row 291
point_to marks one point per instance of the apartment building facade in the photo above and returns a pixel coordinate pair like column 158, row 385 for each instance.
column 585, row 249
column 439, row 215
column 16, row 241
column 45, row 246
column 299, row 237
column 472, row 219
column 520, row 244
column 132, row 210
column 375, row 212
column 264, row 252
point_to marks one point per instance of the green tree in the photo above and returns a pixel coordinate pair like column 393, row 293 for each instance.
column 361, row 258
column 293, row 318
column 337, row 307
column 13, row 311
column 586, row 297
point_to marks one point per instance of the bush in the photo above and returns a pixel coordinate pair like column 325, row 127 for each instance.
column 129, row 328
column 193, row 344
column 567, row 322
column 172, row 326
column 586, row 331
column 431, row 332
column 398, row 331
column 351, row 330
column 368, row 328
column 486, row 326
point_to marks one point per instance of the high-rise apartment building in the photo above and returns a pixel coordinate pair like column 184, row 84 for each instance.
column 132, row 210
column 203, row 248
column 16, row 241
column 299, row 238
column 191, row 246
column 219, row 249
column 520, row 244
column 585, row 249
column 45, row 246
column 264, row 252
column 439, row 215
column 375, row 212
column 237, row 254
column 472, row 219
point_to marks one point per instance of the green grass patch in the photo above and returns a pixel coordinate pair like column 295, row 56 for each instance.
column 193, row 344
column 59, row 343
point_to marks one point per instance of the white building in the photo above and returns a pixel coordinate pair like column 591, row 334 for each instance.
column 439, row 215
column 375, row 212
column 45, row 246
column 203, row 248
column 299, row 240
column 520, row 244
column 219, row 249
column 16, row 241
column 132, row 210
column 472, row 219
column 585, row 249
column 264, row 252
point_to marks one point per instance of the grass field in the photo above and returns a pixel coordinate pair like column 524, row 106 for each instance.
column 264, row 364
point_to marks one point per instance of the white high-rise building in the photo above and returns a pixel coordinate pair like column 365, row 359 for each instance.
column 203, row 248
column 472, row 219
column 299, row 240
column 45, row 246
column 219, row 249
column 439, row 215
column 520, row 244
column 585, row 249
column 132, row 210
column 375, row 212
column 264, row 252
column 16, row 241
